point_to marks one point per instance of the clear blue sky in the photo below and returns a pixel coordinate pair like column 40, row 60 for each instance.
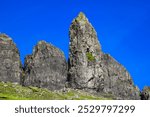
column 123, row 28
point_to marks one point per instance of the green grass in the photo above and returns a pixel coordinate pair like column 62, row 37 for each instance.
column 90, row 57
column 10, row 91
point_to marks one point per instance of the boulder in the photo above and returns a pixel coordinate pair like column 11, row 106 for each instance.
column 145, row 94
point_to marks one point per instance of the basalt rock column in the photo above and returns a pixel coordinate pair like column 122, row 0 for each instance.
column 84, row 57
column 10, row 65
column 46, row 67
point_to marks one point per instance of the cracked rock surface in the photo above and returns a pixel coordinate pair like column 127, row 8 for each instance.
column 85, row 54
column 90, row 68
column 117, row 79
column 46, row 67
column 10, row 65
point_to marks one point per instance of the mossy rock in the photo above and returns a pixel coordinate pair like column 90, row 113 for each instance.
column 81, row 18
column 4, row 37
column 90, row 56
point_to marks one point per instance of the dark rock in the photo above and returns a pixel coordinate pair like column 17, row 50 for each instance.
column 84, row 56
column 90, row 68
column 46, row 67
column 117, row 80
column 145, row 94
column 10, row 65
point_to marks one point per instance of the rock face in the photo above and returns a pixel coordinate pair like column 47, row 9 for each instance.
column 90, row 68
column 46, row 67
column 85, row 54
column 117, row 80
column 145, row 94
column 10, row 65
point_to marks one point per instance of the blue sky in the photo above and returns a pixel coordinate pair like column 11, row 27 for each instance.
column 123, row 28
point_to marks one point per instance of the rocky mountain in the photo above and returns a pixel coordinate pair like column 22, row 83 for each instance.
column 46, row 67
column 85, row 55
column 88, row 69
column 10, row 64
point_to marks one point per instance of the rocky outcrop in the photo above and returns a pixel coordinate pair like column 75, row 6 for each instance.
column 85, row 54
column 90, row 68
column 145, row 94
column 46, row 67
column 10, row 65
column 117, row 80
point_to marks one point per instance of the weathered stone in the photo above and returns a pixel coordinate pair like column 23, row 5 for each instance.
column 145, row 94
column 10, row 65
column 84, row 56
column 90, row 68
column 117, row 80
column 46, row 67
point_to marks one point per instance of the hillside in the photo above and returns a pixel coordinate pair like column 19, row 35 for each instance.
column 10, row 91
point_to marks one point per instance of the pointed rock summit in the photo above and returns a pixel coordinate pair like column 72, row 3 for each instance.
column 85, row 55
column 46, row 67
column 81, row 18
column 10, row 64
column 91, row 69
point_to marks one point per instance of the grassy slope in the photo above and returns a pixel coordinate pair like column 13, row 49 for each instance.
column 9, row 91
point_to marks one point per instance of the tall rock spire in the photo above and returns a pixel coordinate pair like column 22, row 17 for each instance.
column 85, row 54
column 90, row 68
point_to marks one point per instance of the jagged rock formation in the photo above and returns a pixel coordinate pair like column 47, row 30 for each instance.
column 85, row 55
column 90, row 68
column 145, row 94
column 46, row 67
column 10, row 65
column 117, row 80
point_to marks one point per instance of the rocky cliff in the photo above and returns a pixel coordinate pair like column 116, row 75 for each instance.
column 88, row 68
column 117, row 79
column 10, row 65
column 46, row 67
column 85, row 55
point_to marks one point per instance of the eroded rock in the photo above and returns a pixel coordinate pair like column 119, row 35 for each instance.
column 84, row 56
column 46, row 67
column 117, row 80
column 10, row 65
column 145, row 94
column 90, row 68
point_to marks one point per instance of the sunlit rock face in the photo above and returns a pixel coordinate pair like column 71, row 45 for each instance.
column 46, row 67
column 84, row 56
column 90, row 68
column 10, row 65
